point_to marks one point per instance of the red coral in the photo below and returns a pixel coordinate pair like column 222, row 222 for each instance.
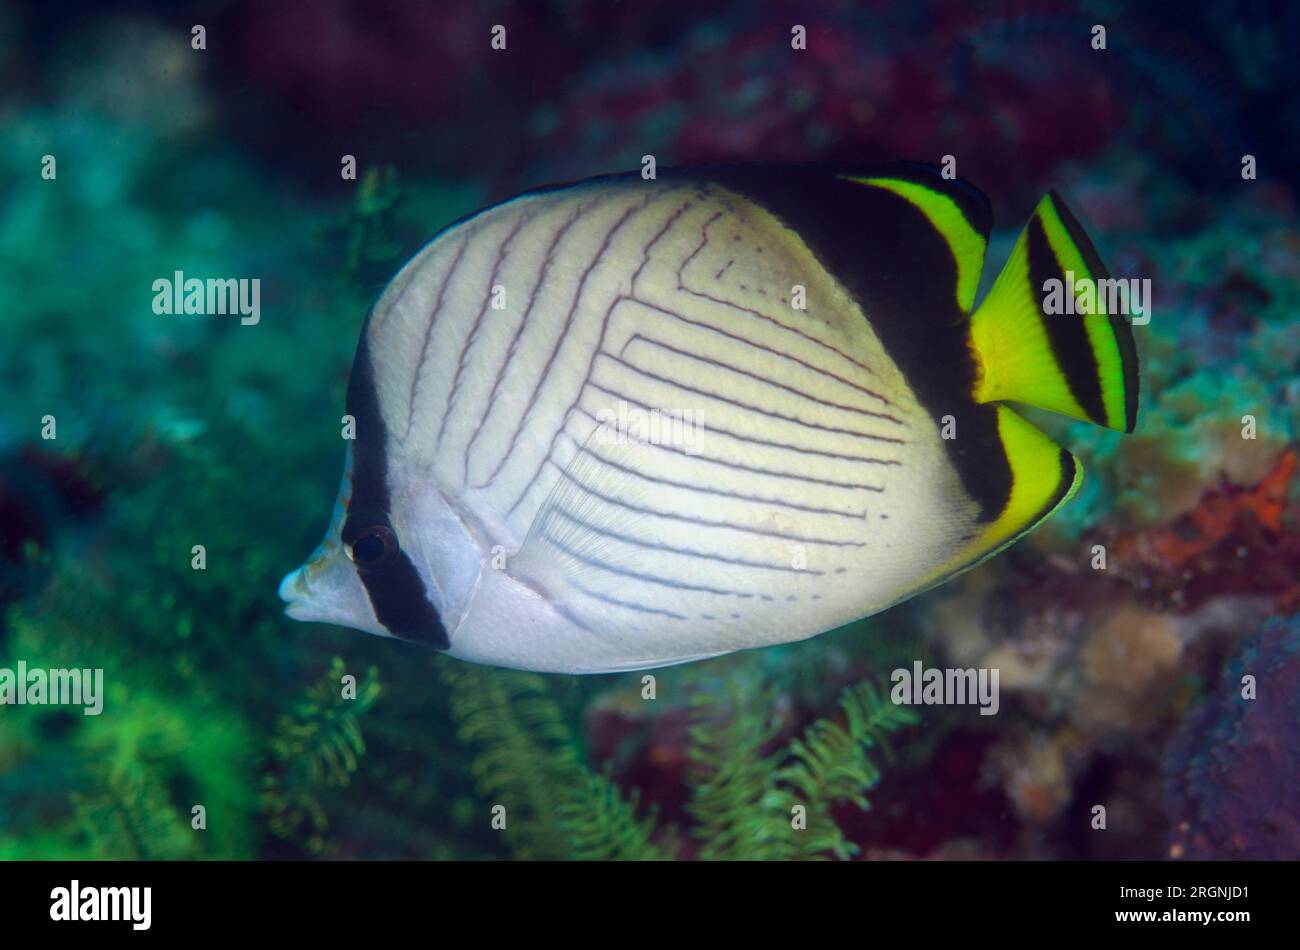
column 1238, row 540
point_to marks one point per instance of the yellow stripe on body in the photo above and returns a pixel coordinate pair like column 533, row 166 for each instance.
column 966, row 243
column 1037, row 474
column 1036, row 495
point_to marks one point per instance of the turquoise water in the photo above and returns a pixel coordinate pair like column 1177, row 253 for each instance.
column 160, row 472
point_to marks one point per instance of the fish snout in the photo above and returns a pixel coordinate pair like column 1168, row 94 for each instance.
column 295, row 592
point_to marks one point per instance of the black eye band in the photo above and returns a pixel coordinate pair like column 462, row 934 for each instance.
column 398, row 597
column 392, row 583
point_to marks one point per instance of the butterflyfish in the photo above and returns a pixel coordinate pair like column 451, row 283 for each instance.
column 627, row 423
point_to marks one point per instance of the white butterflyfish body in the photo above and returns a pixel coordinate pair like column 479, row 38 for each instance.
column 624, row 424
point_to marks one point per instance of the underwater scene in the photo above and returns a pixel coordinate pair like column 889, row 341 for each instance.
column 874, row 433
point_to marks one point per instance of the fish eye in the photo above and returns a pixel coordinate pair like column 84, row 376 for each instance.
column 374, row 548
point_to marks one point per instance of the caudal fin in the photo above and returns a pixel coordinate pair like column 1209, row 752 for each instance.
column 1082, row 365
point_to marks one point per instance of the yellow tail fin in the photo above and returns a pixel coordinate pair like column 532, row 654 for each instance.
column 1033, row 343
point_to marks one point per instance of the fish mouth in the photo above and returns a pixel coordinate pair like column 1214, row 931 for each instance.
column 296, row 594
column 328, row 591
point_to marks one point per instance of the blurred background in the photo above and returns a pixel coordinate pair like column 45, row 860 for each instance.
column 1120, row 687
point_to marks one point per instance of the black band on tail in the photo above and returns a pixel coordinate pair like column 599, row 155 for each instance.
column 1067, row 334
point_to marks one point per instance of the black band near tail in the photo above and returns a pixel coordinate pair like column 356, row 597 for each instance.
column 396, row 590
column 1118, row 324
column 1066, row 333
column 900, row 269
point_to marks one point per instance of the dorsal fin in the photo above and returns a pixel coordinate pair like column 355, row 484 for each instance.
column 895, row 227
column 951, row 213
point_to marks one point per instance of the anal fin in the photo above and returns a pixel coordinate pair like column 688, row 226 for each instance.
column 1044, row 477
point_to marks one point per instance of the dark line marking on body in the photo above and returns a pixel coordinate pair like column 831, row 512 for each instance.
column 750, row 438
column 519, row 332
column 642, row 608
column 645, row 253
column 637, row 575
column 578, row 294
column 704, row 239
column 687, row 519
column 599, row 348
column 767, row 349
column 722, row 493
column 756, row 377
column 685, row 552
column 428, row 334
column 769, row 413
column 502, row 253
column 771, row 473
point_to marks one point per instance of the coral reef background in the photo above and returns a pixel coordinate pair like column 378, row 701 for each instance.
column 1124, row 675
